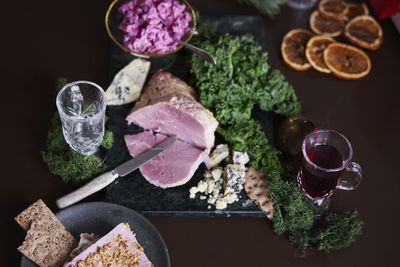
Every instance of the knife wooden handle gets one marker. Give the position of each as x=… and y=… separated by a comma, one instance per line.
x=93, y=186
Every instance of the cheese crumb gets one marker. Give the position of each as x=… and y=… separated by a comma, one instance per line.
x=221, y=204
x=202, y=186
x=240, y=157
x=217, y=173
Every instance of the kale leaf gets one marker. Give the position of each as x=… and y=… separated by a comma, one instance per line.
x=240, y=79
x=248, y=136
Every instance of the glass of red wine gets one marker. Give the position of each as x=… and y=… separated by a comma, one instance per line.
x=326, y=156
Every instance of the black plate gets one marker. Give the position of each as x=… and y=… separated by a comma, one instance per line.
x=101, y=217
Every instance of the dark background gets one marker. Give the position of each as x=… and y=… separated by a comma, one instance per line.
x=42, y=40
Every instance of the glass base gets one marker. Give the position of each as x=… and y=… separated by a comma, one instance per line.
x=101, y=154
x=321, y=205
x=301, y=4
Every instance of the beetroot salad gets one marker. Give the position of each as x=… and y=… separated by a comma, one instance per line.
x=144, y=25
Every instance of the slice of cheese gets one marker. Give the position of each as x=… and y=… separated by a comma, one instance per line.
x=127, y=84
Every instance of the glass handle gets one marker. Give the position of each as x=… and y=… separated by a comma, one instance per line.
x=351, y=184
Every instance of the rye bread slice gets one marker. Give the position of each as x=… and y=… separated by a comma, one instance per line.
x=47, y=242
x=255, y=186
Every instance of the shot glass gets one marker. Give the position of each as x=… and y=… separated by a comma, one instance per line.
x=82, y=106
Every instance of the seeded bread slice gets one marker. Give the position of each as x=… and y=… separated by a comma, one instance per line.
x=255, y=186
x=47, y=242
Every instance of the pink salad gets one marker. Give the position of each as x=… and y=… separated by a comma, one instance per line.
x=144, y=27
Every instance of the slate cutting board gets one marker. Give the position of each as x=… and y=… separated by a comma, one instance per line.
x=133, y=190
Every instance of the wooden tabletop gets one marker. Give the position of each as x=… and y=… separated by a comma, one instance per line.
x=42, y=40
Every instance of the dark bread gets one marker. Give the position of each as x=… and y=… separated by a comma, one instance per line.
x=47, y=242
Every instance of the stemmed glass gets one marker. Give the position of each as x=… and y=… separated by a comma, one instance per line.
x=326, y=158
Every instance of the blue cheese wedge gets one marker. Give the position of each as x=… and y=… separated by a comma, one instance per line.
x=127, y=84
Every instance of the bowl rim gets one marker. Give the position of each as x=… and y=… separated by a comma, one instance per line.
x=150, y=55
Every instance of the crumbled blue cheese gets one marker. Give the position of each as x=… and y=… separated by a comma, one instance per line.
x=219, y=154
x=216, y=173
x=221, y=186
x=127, y=84
x=202, y=186
x=221, y=204
x=240, y=157
x=231, y=197
x=234, y=177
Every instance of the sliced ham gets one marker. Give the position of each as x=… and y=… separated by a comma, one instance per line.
x=168, y=105
x=173, y=167
x=118, y=248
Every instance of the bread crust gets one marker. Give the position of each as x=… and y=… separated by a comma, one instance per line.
x=47, y=242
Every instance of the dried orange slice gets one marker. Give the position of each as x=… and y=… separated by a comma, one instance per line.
x=347, y=61
x=333, y=8
x=315, y=52
x=364, y=31
x=321, y=25
x=293, y=49
x=354, y=10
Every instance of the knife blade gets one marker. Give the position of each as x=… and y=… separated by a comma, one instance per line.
x=107, y=178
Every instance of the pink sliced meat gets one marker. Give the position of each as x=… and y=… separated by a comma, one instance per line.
x=173, y=167
x=169, y=106
x=117, y=248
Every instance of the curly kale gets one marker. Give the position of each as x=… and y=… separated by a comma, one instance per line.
x=241, y=79
x=64, y=161
x=248, y=136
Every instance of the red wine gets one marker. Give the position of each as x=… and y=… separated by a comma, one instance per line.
x=319, y=183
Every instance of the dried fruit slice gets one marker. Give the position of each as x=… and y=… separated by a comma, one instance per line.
x=315, y=52
x=333, y=8
x=365, y=32
x=347, y=61
x=321, y=25
x=293, y=49
x=354, y=10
